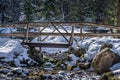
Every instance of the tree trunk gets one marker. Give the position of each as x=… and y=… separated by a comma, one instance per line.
x=66, y=10
x=118, y=15
x=2, y=19
x=62, y=10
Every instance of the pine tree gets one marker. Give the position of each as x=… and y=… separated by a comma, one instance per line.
x=100, y=7
x=50, y=10
x=28, y=10
x=2, y=8
x=11, y=10
x=118, y=13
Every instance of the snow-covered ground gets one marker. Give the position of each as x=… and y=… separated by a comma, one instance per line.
x=12, y=51
x=92, y=45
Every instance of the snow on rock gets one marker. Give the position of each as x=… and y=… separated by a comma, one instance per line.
x=20, y=70
x=92, y=45
x=12, y=51
x=73, y=57
x=73, y=61
x=49, y=65
x=116, y=72
x=3, y=40
x=115, y=67
x=102, y=28
x=86, y=42
x=4, y=70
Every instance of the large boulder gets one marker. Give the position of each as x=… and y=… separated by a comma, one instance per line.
x=104, y=60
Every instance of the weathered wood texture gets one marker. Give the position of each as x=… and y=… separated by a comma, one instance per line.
x=32, y=34
x=58, y=24
x=44, y=24
x=27, y=25
x=51, y=45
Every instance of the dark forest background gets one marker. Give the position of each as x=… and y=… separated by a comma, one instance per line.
x=98, y=11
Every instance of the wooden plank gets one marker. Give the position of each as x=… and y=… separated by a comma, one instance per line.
x=83, y=34
x=32, y=34
x=100, y=35
x=51, y=45
x=13, y=25
x=11, y=34
x=43, y=24
x=27, y=33
x=78, y=23
x=42, y=29
x=64, y=29
x=72, y=36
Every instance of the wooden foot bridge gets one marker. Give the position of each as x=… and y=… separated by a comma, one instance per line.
x=58, y=29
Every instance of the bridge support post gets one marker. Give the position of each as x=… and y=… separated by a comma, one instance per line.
x=39, y=39
x=71, y=37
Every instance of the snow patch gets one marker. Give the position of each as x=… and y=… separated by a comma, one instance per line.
x=115, y=67
x=93, y=45
x=12, y=51
x=74, y=60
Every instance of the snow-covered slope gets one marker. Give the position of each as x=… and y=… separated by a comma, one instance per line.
x=92, y=45
x=12, y=51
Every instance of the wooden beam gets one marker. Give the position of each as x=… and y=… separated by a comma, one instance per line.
x=48, y=35
x=13, y=25
x=100, y=35
x=72, y=36
x=64, y=29
x=60, y=33
x=55, y=45
x=32, y=34
x=42, y=29
x=43, y=24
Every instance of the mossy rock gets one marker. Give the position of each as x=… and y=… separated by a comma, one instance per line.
x=103, y=60
x=33, y=50
x=52, y=60
x=35, y=55
x=72, y=50
x=69, y=58
x=58, y=63
x=80, y=52
x=106, y=76
x=41, y=77
x=106, y=45
x=114, y=78
x=84, y=65
x=69, y=68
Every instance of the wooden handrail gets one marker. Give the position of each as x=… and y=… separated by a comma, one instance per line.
x=43, y=24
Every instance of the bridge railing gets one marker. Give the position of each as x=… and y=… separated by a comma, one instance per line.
x=81, y=25
x=58, y=29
